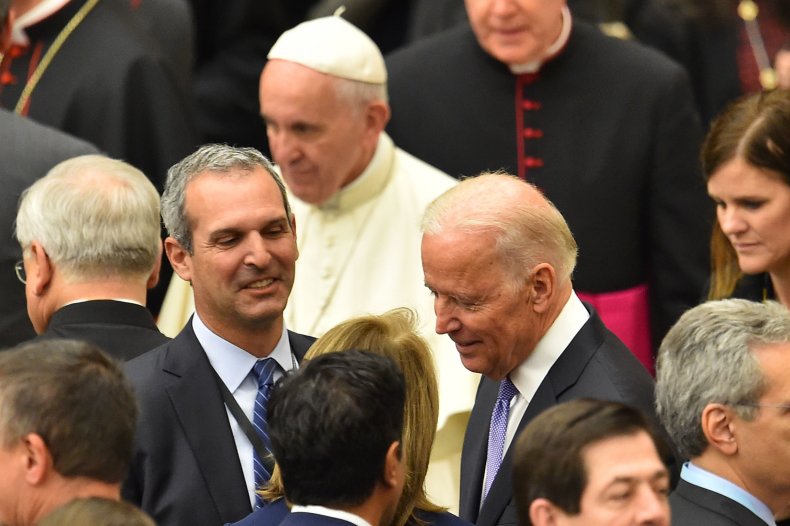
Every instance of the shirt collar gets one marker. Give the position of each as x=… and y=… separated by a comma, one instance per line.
x=42, y=10
x=703, y=478
x=552, y=51
x=528, y=376
x=328, y=512
x=371, y=181
x=233, y=363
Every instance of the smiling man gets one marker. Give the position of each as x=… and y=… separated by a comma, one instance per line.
x=590, y=463
x=498, y=258
x=232, y=237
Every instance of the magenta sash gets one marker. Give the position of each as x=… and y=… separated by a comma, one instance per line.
x=627, y=314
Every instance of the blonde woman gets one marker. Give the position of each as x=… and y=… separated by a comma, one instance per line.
x=392, y=334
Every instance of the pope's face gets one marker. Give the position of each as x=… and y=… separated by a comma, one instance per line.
x=317, y=137
x=516, y=31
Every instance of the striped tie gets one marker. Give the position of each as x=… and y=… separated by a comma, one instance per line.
x=263, y=371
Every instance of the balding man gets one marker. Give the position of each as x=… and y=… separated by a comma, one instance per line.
x=498, y=259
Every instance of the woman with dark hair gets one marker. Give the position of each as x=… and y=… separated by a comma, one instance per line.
x=746, y=161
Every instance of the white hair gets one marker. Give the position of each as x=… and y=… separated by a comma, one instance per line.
x=94, y=217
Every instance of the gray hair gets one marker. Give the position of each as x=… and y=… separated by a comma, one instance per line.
x=357, y=93
x=217, y=158
x=526, y=234
x=94, y=216
x=706, y=358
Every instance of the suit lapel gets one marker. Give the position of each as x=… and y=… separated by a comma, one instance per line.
x=717, y=504
x=473, y=456
x=197, y=403
x=563, y=375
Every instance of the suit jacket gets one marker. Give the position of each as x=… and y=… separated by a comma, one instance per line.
x=693, y=506
x=185, y=469
x=28, y=151
x=595, y=364
x=274, y=513
x=311, y=519
x=613, y=141
x=124, y=330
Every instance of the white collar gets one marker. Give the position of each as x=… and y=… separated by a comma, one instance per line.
x=528, y=376
x=556, y=47
x=42, y=10
x=233, y=363
x=329, y=512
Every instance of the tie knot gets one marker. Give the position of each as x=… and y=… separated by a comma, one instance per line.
x=263, y=370
x=506, y=390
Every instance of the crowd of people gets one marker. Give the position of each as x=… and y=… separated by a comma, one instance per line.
x=531, y=267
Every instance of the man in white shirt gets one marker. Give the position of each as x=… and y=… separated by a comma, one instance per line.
x=723, y=393
x=498, y=259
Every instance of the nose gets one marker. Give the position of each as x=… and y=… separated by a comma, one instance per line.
x=446, y=321
x=256, y=252
x=502, y=8
x=731, y=221
x=652, y=508
x=283, y=146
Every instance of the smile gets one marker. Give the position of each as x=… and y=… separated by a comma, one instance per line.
x=260, y=284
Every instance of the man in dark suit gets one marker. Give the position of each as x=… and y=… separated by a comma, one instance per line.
x=89, y=232
x=606, y=128
x=27, y=150
x=341, y=460
x=722, y=392
x=231, y=235
x=498, y=258
x=591, y=463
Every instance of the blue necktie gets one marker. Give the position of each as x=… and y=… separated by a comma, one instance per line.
x=498, y=430
x=263, y=371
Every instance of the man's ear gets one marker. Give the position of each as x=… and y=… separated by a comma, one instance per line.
x=180, y=259
x=41, y=270
x=377, y=115
x=718, y=427
x=39, y=459
x=393, y=466
x=543, y=285
x=543, y=513
x=153, y=278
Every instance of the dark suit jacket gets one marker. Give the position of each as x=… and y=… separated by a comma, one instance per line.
x=28, y=151
x=696, y=506
x=594, y=365
x=124, y=330
x=185, y=469
x=274, y=513
x=311, y=519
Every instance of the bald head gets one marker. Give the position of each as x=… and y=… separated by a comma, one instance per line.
x=528, y=229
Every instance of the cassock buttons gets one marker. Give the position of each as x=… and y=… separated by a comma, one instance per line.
x=533, y=162
x=533, y=133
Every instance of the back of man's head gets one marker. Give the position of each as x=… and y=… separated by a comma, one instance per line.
x=94, y=217
x=550, y=464
x=707, y=357
x=76, y=399
x=332, y=424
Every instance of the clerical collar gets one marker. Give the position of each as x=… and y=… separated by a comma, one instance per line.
x=554, y=49
x=43, y=10
x=371, y=181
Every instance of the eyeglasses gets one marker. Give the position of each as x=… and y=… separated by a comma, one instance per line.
x=19, y=268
